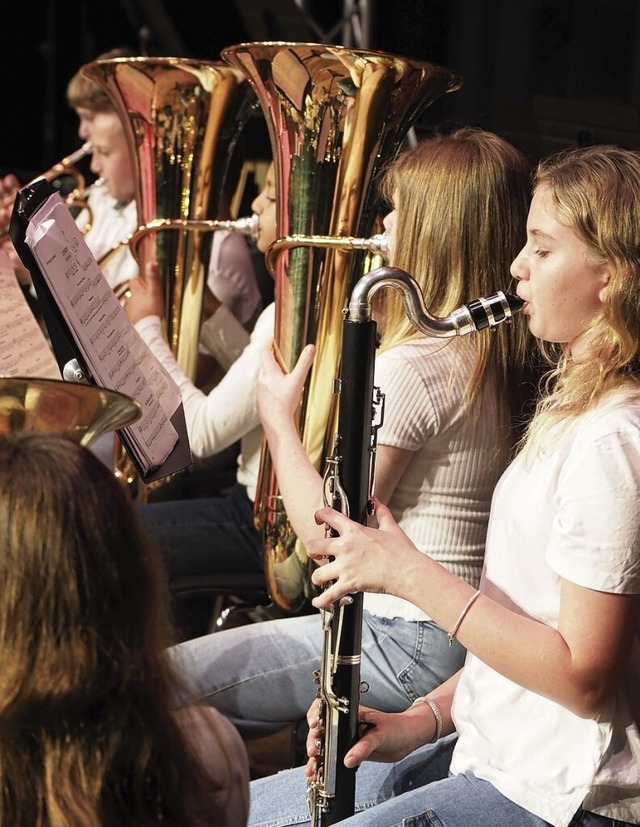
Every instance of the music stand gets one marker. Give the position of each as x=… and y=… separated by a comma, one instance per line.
x=70, y=361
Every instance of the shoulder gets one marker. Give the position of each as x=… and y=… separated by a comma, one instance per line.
x=427, y=355
x=616, y=417
x=220, y=748
x=428, y=364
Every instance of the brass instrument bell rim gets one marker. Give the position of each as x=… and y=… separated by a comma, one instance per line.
x=159, y=61
x=338, y=48
x=99, y=409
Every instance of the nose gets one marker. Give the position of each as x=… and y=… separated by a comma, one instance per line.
x=518, y=267
x=257, y=205
x=389, y=221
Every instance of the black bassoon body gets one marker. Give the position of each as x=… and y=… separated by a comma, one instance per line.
x=348, y=488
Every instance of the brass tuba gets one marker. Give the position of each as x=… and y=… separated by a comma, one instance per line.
x=336, y=116
x=182, y=118
x=81, y=412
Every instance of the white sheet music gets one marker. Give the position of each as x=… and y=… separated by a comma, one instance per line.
x=24, y=350
x=110, y=346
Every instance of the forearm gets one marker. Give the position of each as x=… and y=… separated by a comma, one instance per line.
x=299, y=482
x=432, y=712
x=522, y=649
x=216, y=420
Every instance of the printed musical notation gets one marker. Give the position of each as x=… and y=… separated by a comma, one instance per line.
x=24, y=349
x=110, y=347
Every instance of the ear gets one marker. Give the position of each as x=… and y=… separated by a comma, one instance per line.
x=605, y=276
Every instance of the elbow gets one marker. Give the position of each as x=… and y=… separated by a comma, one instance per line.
x=591, y=705
x=592, y=698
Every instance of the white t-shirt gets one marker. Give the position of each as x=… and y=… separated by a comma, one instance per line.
x=572, y=512
x=111, y=223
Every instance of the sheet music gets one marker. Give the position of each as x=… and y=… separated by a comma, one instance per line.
x=110, y=346
x=24, y=350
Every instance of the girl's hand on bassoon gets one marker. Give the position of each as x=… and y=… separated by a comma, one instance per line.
x=387, y=736
x=314, y=735
x=361, y=559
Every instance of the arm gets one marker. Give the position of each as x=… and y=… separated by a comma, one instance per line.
x=299, y=481
x=231, y=277
x=390, y=736
x=218, y=419
x=576, y=665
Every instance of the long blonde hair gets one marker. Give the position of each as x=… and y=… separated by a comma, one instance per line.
x=462, y=200
x=87, y=735
x=596, y=191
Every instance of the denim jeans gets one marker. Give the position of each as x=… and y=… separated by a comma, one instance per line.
x=206, y=535
x=261, y=676
x=415, y=792
x=201, y=537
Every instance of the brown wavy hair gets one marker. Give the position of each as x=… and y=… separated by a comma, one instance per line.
x=87, y=736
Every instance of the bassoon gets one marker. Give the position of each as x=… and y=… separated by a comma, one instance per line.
x=348, y=487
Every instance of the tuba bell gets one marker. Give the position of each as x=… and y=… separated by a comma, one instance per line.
x=336, y=116
x=80, y=412
x=182, y=118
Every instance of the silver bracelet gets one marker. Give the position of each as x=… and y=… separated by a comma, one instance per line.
x=433, y=706
x=451, y=636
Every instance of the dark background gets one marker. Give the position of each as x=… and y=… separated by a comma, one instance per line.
x=544, y=73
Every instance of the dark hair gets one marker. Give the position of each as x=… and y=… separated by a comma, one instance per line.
x=87, y=733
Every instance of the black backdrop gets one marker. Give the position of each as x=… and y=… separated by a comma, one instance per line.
x=545, y=73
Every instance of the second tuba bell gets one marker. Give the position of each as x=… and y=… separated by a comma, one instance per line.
x=336, y=116
x=182, y=119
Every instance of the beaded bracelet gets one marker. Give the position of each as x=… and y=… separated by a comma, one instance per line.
x=451, y=636
x=433, y=706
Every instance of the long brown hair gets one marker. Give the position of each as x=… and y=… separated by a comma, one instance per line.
x=87, y=736
x=462, y=200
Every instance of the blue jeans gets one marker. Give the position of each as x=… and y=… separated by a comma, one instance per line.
x=261, y=676
x=203, y=536
x=397, y=795
x=207, y=535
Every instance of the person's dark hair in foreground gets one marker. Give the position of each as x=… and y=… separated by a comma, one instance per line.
x=87, y=735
